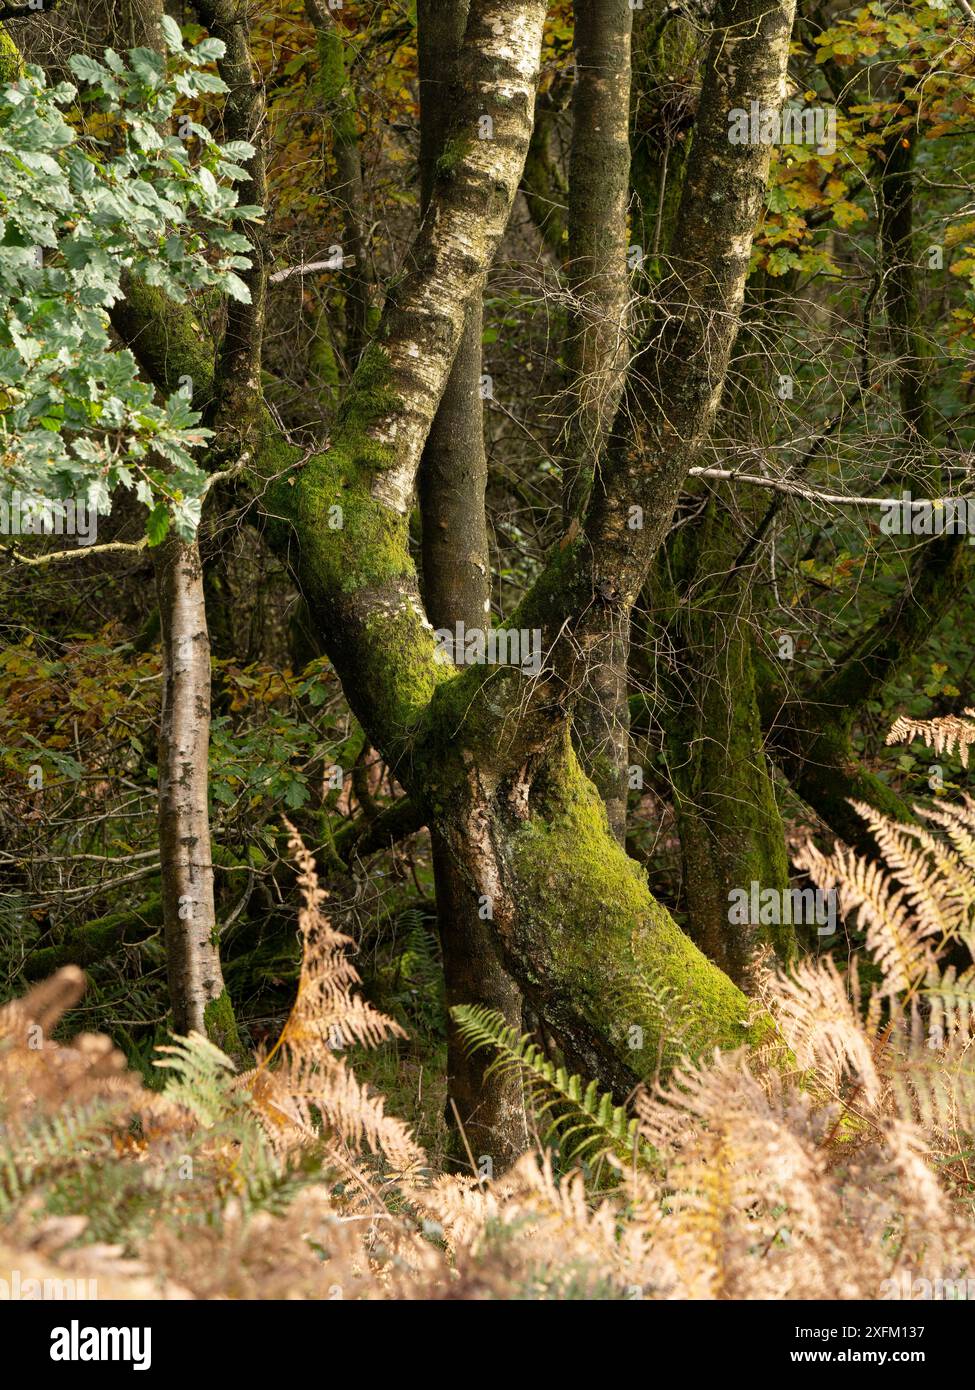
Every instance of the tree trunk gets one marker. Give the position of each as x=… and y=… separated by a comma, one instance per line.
x=599, y=183
x=728, y=820
x=235, y=412
x=599, y=169
x=456, y=588
x=730, y=829
x=483, y=750
x=198, y=996
x=904, y=319
x=339, y=106
x=199, y=999
x=140, y=25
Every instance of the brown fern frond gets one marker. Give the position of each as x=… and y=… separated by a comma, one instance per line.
x=896, y=937
x=816, y=1011
x=933, y=1082
x=954, y=860
x=944, y=734
x=312, y=1078
x=939, y=888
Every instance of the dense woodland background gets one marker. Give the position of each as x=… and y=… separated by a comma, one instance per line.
x=503, y=330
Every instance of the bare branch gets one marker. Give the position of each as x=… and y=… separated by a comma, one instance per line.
x=791, y=489
x=84, y=552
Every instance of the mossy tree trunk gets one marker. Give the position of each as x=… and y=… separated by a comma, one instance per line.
x=339, y=110
x=728, y=821
x=485, y=749
x=456, y=571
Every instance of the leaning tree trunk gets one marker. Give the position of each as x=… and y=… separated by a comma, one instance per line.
x=456, y=588
x=484, y=749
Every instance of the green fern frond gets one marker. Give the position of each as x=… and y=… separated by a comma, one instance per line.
x=583, y=1119
x=202, y=1077
x=53, y=1143
x=419, y=958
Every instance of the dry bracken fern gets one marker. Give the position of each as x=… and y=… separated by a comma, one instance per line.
x=311, y=1076
x=944, y=735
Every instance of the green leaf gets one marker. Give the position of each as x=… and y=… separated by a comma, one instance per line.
x=209, y=48
x=236, y=288
x=86, y=69
x=157, y=524
x=172, y=34
x=295, y=795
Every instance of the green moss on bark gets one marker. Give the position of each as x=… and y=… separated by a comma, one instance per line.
x=221, y=1026
x=412, y=678
x=94, y=942
x=832, y=775
x=167, y=339
x=355, y=541
x=614, y=954
x=454, y=151
x=729, y=824
x=11, y=63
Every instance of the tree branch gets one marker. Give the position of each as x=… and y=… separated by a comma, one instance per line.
x=83, y=552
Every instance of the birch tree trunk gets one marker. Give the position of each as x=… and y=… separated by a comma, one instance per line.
x=199, y=999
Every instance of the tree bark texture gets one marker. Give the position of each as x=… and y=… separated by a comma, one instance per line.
x=457, y=588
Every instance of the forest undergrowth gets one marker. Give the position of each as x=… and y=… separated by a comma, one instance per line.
x=836, y=1161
